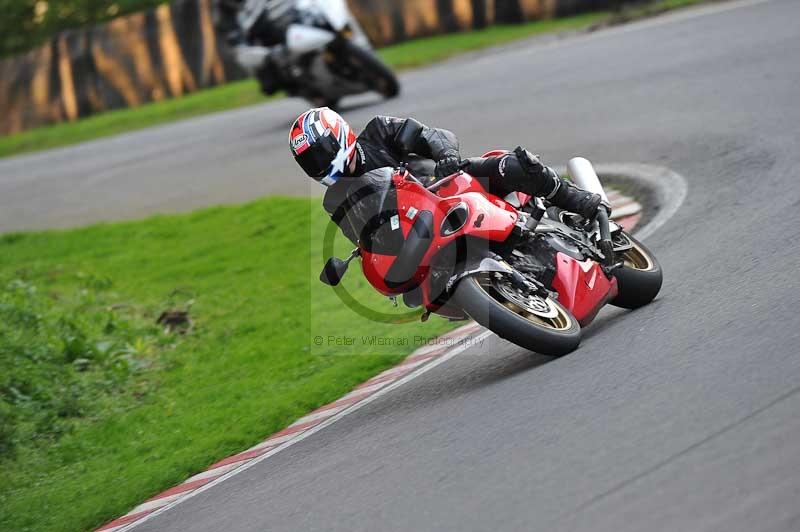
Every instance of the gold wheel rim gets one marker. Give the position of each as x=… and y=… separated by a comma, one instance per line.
x=637, y=258
x=560, y=320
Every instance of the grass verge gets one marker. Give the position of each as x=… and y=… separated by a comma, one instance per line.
x=241, y=93
x=101, y=408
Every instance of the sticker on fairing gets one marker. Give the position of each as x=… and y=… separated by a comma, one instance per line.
x=411, y=213
x=395, y=221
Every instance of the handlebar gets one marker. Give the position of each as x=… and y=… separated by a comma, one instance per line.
x=442, y=182
x=434, y=186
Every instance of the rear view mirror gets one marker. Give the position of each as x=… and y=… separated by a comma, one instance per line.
x=334, y=271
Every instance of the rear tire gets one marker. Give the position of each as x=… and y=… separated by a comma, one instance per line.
x=640, y=277
x=552, y=330
x=375, y=73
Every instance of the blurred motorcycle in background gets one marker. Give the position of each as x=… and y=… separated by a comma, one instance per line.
x=326, y=55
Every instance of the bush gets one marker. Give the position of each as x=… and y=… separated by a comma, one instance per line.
x=28, y=23
x=60, y=356
x=7, y=429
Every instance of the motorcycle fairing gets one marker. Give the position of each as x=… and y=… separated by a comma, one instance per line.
x=488, y=218
x=406, y=268
x=302, y=39
x=582, y=287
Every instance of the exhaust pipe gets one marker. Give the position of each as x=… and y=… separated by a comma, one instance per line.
x=583, y=175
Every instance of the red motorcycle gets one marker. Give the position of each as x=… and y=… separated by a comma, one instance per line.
x=533, y=275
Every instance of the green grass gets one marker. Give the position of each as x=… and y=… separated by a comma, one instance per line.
x=237, y=94
x=247, y=368
x=421, y=52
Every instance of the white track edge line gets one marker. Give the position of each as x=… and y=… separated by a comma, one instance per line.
x=670, y=189
x=629, y=209
x=313, y=430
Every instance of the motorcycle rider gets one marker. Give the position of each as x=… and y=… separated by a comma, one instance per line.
x=358, y=170
x=256, y=30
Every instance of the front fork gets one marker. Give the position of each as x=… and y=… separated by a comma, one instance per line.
x=605, y=244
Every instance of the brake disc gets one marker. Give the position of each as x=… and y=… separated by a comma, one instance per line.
x=526, y=301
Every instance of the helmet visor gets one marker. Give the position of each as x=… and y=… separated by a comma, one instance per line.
x=317, y=158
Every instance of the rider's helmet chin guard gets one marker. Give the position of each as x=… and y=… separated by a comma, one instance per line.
x=323, y=144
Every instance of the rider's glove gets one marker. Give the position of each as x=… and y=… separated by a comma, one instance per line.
x=449, y=164
x=531, y=164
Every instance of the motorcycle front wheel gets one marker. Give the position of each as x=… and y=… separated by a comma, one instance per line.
x=640, y=277
x=538, y=324
x=372, y=70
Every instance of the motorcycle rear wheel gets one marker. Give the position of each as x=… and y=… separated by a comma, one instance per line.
x=640, y=277
x=537, y=324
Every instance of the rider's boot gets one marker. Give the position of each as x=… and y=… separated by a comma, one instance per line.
x=270, y=74
x=567, y=196
x=558, y=191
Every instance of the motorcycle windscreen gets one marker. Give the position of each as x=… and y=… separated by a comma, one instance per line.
x=374, y=215
x=336, y=13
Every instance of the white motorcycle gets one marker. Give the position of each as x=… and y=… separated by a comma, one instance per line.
x=327, y=55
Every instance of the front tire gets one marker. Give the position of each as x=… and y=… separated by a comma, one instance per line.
x=640, y=277
x=325, y=101
x=374, y=72
x=531, y=322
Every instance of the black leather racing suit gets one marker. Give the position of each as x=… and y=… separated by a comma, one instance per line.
x=239, y=22
x=256, y=32
x=362, y=204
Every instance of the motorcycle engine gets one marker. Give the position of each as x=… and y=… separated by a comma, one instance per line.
x=535, y=258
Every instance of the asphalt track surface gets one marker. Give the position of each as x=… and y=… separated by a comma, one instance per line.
x=678, y=416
